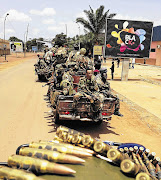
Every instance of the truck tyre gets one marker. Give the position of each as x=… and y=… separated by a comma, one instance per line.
x=57, y=118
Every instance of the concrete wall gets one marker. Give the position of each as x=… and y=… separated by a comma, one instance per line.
x=2, y=52
x=148, y=61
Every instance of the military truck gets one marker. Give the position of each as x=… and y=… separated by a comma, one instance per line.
x=42, y=70
x=85, y=111
x=64, y=110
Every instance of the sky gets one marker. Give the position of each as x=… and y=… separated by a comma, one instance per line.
x=46, y=18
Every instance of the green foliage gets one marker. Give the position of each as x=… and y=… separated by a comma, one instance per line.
x=96, y=20
x=60, y=39
x=15, y=39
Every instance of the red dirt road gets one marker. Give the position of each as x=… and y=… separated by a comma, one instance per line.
x=24, y=116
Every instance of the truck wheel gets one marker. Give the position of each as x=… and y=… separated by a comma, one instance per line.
x=56, y=118
x=98, y=122
x=39, y=77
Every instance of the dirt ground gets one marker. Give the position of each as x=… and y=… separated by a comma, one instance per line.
x=25, y=116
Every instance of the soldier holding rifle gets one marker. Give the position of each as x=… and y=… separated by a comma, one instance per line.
x=88, y=88
x=105, y=89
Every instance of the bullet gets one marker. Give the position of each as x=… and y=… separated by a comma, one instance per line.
x=158, y=170
x=155, y=161
x=59, y=148
x=76, y=139
x=101, y=147
x=135, y=149
x=144, y=168
x=52, y=156
x=121, y=150
x=66, y=129
x=141, y=150
x=149, y=166
x=88, y=141
x=126, y=149
x=116, y=156
x=38, y=165
x=135, y=159
x=16, y=174
x=143, y=176
x=151, y=156
x=130, y=151
x=147, y=151
x=69, y=146
x=129, y=167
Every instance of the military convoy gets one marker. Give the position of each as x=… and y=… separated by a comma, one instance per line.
x=63, y=73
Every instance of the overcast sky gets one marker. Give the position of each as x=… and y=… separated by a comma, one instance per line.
x=46, y=18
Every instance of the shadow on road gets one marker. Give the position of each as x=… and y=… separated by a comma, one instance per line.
x=90, y=128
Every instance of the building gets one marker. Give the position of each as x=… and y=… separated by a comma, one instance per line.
x=155, y=53
x=2, y=51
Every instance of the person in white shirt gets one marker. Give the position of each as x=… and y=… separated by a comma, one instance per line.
x=133, y=62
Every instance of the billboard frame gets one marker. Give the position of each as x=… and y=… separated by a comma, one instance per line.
x=127, y=57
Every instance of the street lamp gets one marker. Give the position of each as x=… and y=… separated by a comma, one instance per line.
x=4, y=35
x=79, y=35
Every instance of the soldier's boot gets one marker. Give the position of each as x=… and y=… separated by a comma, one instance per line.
x=117, y=113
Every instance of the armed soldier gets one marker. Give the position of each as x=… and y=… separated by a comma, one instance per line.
x=72, y=54
x=88, y=88
x=61, y=85
x=82, y=61
x=105, y=89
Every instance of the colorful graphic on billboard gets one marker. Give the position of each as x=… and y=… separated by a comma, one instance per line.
x=126, y=38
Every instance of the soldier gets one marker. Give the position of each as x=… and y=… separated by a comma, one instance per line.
x=88, y=87
x=83, y=61
x=60, y=86
x=105, y=89
x=72, y=54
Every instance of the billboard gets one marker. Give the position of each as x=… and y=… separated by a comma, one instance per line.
x=34, y=48
x=16, y=46
x=127, y=38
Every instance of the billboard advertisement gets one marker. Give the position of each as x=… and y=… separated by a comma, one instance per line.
x=127, y=38
x=34, y=48
x=16, y=46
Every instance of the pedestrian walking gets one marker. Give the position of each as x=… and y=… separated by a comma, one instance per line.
x=133, y=62
x=112, y=70
x=118, y=62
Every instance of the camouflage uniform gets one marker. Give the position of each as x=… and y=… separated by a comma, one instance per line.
x=64, y=87
x=88, y=88
x=105, y=90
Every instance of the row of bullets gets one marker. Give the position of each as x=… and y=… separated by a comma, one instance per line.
x=43, y=157
x=135, y=161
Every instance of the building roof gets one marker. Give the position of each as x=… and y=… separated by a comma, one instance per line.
x=156, y=33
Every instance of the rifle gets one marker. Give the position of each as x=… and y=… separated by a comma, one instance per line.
x=47, y=83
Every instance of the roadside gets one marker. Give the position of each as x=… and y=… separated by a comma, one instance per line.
x=15, y=59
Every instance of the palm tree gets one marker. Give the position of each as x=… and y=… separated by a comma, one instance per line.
x=95, y=22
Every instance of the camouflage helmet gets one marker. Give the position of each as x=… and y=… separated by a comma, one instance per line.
x=82, y=51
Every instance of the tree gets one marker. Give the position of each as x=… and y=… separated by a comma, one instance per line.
x=60, y=39
x=15, y=39
x=96, y=20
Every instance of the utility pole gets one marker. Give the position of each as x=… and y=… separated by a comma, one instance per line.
x=5, y=46
x=66, y=33
x=79, y=35
x=25, y=40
